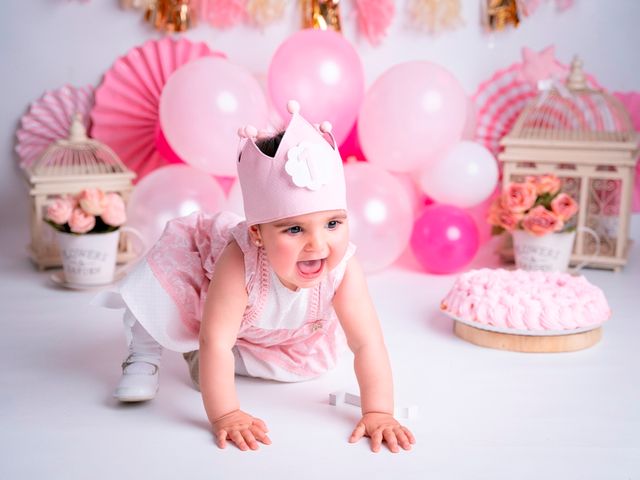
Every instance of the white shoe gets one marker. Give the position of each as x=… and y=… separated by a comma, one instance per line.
x=138, y=383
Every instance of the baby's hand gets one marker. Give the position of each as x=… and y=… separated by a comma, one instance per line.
x=242, y=429
x=382, y=426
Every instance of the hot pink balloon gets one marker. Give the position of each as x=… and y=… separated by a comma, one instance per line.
x=444, y=238
x=170, y=192
x=351, y=145
x=321, y=70
x=380, y=214
x=201, y=108
x=410, y=114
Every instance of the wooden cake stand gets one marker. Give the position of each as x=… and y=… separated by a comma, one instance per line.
x=527, y=343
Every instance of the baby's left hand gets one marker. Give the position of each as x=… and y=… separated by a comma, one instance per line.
x=382, y=426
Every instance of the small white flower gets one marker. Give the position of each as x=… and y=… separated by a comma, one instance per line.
x=308, y=166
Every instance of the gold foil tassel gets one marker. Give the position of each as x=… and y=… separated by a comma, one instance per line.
x=321, y=14
x=501, y=13
x=170, y=15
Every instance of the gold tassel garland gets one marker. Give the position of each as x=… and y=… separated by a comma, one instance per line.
x=321, y=14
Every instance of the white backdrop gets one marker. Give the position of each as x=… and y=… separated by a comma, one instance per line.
x=45, y=44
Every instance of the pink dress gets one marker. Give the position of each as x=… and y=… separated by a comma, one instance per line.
x=284, y=335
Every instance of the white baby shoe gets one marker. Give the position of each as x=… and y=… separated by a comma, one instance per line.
x=138, y=383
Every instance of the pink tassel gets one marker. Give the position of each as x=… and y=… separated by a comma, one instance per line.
x=374, y=18
x=223, y=13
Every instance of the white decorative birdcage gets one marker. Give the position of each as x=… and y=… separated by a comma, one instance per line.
x=67, y=167
x=586, y=138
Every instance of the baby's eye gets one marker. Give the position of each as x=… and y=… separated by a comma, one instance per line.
x=295, y=229
x=333, y=224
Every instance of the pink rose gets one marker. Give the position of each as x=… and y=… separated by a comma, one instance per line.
x=114, y=212
x=540, y=221
x=546, y=184
x=501, y=217
x=92, y=200
x=519, y=197
x=564, y=206
x=80, y=221
x=60, y=210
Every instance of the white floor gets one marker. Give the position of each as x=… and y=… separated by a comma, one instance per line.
x=483, y=413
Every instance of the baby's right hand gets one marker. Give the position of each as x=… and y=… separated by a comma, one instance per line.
x=242, y=429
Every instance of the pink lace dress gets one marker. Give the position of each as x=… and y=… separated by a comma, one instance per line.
x=284, y=335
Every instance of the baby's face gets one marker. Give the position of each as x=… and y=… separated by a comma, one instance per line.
x=303, y=249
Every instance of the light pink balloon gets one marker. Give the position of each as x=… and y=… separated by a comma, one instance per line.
x=471, y=121
x=235, y=202
x=444, y=238
x=321, y=70
x=412, y=112
x=170, y=192
x=202, y=106
x=380, y=214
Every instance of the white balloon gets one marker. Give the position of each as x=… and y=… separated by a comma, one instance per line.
x=465, y=176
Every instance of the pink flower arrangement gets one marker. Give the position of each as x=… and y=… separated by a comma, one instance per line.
x=90, y=211
x=535, y=205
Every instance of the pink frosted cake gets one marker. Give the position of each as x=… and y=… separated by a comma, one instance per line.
x=534, y=302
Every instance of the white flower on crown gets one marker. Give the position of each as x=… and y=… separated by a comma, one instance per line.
x=308, y=166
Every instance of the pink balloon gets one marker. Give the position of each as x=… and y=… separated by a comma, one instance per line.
x=202, y=106
x=235, y=202
x=471, y=121
x=380, y=214
x=170, y=192
x=411, y=113
x=351, y=146
x=321, y=70
x=444, y=238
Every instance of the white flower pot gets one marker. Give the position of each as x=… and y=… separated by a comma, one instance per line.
x=550, y=252
x=89, y=259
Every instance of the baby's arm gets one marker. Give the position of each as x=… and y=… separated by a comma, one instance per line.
x=223, y=310
x=359, y=320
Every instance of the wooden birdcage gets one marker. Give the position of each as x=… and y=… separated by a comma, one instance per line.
x=67, y=167
x=586, y=138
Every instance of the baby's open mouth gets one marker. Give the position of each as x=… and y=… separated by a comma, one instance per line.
x=311, y=267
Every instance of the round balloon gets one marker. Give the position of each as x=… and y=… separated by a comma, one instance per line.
x=202, y=106
x=323, y=72
x=465, y=176
x=170, y=192
x=444, y=238
x=380, y=214
x=412, y=112
x=471, y=121
x=350, y=148
x=235, y=202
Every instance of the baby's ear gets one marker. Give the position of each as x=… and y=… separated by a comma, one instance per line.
x=255, y=235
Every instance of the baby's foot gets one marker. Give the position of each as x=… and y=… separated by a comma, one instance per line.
x=138, y=383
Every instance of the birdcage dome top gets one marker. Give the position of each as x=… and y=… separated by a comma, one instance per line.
x=573, y=112
x=78, y=155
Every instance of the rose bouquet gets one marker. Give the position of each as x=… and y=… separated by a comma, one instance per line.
x=90, y=211
x=536, y=206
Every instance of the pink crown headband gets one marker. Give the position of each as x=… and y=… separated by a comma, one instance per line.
x=304, y=176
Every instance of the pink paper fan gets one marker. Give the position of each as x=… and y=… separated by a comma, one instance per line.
x=49, y=119
x=631, y=101
x=125, y=115
x=499, y=100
